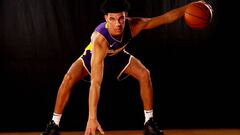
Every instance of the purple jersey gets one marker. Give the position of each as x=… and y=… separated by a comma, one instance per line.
x=115, y=45
x=117, y=59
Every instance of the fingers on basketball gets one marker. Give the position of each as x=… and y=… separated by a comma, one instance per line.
x=198, y=15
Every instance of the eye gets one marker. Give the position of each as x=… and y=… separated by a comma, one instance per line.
x=121, y=19
x=111, y=19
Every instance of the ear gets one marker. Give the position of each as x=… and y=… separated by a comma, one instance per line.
x=105, y=16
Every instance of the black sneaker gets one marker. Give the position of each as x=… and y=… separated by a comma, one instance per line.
x=52, y=129
x=151, y=128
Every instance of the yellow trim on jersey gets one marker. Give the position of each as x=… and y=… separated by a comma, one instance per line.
x=89, y=47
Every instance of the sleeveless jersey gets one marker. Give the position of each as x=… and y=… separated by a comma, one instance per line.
x=115, y=46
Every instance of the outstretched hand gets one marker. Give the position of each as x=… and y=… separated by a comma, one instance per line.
x=206, y=3
x=92, y=126
x=196, y=1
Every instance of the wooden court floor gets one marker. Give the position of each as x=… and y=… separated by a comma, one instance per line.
x=139, y=132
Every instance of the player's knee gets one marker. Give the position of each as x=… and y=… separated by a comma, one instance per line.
x=145, y=75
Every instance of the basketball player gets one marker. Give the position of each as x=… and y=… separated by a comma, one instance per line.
x=106, y=53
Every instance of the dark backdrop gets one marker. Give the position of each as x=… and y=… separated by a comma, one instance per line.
x=193, y=71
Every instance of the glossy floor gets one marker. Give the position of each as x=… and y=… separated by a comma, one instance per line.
x=139, y=132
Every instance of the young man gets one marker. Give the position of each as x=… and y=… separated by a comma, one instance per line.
x=106, y=53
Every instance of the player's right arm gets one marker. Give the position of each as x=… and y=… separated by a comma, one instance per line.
x=99, y=52
x=137, y=24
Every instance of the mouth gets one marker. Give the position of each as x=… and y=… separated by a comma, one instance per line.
x=118, y=30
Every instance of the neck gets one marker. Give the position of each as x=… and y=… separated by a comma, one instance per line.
x=117, y=37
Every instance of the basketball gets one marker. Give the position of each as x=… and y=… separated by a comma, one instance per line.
x=198, y=15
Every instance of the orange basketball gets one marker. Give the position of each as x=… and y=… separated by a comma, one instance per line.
x=198, y=15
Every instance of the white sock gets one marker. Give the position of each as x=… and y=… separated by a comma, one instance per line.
x=56, y=118
x=148, y=114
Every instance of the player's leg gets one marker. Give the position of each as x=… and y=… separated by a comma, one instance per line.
x=137, y=70
x=142, y=74
x=75, y=73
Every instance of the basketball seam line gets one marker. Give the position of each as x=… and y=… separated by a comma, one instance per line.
x=198, y=17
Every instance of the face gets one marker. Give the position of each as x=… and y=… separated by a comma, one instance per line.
x=116, y=23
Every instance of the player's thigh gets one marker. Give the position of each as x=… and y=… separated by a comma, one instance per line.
x=77, y=71
x=136, y=68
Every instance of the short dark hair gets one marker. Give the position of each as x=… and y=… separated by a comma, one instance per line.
x=115, y=6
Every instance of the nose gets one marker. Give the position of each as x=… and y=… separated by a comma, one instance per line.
x=118, y=23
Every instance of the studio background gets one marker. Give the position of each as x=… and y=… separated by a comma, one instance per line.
x=193, y=71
